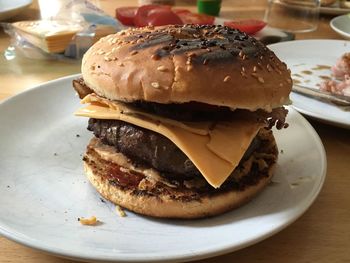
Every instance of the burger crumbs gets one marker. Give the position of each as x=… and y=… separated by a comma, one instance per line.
x=120, y=211
x=92, y=221
x=102, y=200
x=282, y=151
x=77, y=135
x=55, y=154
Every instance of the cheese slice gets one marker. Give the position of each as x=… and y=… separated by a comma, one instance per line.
x=195, y=127
x=238, y=134
x=216, y=152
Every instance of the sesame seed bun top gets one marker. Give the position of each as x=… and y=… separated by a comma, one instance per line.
x=176, y=64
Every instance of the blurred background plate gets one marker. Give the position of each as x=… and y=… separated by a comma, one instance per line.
x=10, y=8
x=341, y=25
x=334, y=9
x=310, y=62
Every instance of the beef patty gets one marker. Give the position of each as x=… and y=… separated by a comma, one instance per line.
x=149, y=148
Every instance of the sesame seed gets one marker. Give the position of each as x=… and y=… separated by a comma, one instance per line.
x=269, y=69
x=254, y=69
x=155, y=57
x=261, y=80
x=108, y=53
x=121, y=64
x=114, y=40
x=205, y=62
x=189, y=67
x=289, y=81
x=107, y=59
x=100, y=52
x=227, y=78
x=155, y=85
x=161, y=68
x=133, y=52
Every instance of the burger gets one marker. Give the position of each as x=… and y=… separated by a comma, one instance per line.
x=182, y=118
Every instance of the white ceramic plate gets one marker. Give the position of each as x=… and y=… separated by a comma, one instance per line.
x=43, y=190
x=341, y=25
x=310, y=61
x=10, y=8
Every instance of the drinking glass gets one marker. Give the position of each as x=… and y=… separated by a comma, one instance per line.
x=295, y=16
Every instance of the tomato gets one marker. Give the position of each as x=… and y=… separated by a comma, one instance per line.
x=160, y=17
x=142, y=13
x=180, y=10
x=199, y=19
x=126, y=15
x=249, y=26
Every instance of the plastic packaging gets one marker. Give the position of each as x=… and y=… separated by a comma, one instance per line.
x=41, y=39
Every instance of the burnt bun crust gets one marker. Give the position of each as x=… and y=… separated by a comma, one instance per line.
x=152, y=195
x=177, y=64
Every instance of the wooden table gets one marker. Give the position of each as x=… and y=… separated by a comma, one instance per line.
x=322, y=234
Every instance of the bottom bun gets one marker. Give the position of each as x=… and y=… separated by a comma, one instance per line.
x=151, y=194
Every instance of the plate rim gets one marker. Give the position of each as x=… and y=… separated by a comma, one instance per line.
x=336, y=29
x=128, y=257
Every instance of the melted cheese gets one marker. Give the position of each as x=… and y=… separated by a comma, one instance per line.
x=214, y=151
x=195, y=127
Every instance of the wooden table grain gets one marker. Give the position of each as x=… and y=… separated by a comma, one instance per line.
x=321, y=235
